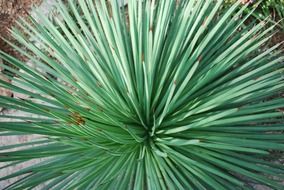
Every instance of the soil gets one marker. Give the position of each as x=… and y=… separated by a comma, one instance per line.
x=10, y=11
x=277, y=38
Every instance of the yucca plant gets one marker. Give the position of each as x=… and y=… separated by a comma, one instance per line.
x=171, y=96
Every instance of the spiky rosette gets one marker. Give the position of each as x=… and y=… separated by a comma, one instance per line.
x=168, y=96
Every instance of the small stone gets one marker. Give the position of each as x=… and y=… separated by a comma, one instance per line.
x=261, y=187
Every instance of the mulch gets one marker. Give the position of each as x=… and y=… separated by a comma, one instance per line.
x=10, y=11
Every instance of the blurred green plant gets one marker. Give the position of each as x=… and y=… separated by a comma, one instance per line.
x=274, y=9
x=177, y=98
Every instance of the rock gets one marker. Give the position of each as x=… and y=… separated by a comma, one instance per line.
x=261, y=187
x=3, y=91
